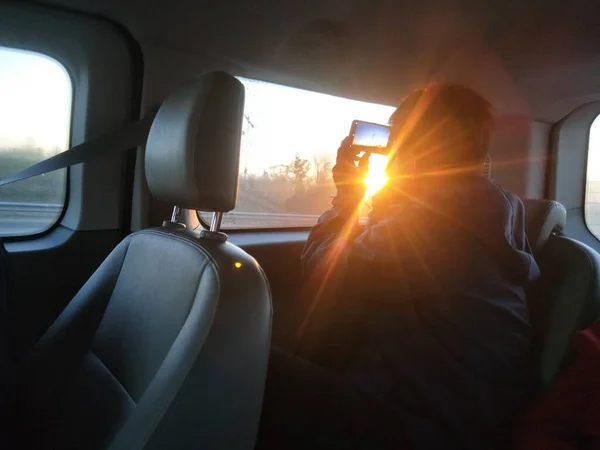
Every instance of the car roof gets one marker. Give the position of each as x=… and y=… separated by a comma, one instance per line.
x=537, y=59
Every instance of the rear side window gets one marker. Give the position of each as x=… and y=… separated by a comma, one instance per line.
x=35, y=122
x=592, y=191
x=289, y=142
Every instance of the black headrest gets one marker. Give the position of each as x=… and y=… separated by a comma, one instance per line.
x=193, y=149
x=542, y=217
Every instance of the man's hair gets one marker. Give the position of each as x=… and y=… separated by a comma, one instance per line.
x=442, y=126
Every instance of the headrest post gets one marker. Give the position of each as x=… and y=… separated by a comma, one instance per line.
x=176, y=214
x=174, y=222
x=215, y=223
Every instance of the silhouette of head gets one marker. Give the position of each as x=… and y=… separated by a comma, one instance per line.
x=440, y=129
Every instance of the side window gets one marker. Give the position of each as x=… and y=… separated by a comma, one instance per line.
x=35, y=122
x=289, y=142
x=592, y=189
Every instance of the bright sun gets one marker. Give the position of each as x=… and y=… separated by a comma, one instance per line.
x=376, y=177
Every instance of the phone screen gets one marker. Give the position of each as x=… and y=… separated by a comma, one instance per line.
x=370, y=136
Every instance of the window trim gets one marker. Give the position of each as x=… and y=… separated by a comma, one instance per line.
x=263, y=229
x=106, y=65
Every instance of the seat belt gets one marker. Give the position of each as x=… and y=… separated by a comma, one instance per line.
x=129, y=136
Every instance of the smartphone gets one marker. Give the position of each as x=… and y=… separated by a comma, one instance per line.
x=370, y=137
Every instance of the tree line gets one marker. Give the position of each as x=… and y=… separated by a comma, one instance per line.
x=301, y=186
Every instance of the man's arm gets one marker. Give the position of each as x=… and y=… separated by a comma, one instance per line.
x=329, y=240
x=346, y=275
x=335, y=228
x=335, y=287
x=341, y=251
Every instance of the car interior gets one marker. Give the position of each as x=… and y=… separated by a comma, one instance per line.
x=163, y=268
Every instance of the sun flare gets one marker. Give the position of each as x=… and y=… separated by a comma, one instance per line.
x=376, y=178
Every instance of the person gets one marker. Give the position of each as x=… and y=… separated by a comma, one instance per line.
x=416, y=334
x=424, y=308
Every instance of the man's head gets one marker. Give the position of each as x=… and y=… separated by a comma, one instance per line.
x=440, y=128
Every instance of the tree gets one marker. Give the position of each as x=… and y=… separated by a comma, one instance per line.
x=322, y=166
x=297, y=187
x=296, y=172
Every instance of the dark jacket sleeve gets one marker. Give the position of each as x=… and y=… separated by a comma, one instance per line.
x=346, y=268
x=332, y=256
x=335, y=250
x=346, y=261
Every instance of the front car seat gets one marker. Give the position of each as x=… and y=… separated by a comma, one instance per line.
x=566, y=298
x=166, y=345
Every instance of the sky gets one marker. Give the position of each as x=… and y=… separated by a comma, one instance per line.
x=35, y=101
x=282, y=122
x=594, y=152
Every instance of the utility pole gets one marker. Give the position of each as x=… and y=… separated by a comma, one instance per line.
x=248, y=122
x=247, y=146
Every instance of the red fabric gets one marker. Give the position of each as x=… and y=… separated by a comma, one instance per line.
x=569, y=416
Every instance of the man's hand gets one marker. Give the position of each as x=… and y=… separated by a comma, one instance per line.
x=349, y=177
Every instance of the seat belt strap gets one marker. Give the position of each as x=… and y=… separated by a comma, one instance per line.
x=129, y=136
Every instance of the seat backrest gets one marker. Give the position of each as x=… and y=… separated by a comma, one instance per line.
x=166, y=346
x=566, y=298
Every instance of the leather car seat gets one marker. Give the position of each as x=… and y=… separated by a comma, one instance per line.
x=566, y=298
x=166, y=345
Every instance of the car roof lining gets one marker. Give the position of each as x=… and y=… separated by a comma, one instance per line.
x=535, y=59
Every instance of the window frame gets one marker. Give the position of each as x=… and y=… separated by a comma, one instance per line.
x=567, y=182
x=585, y=186
x=67, y=183
x=206, y=225
x=106, y=67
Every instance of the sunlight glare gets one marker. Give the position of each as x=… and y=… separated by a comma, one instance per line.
x=376, y=178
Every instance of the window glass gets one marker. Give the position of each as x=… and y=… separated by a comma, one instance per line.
x=592, y=192
x=35, y=121
x=289, y=141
